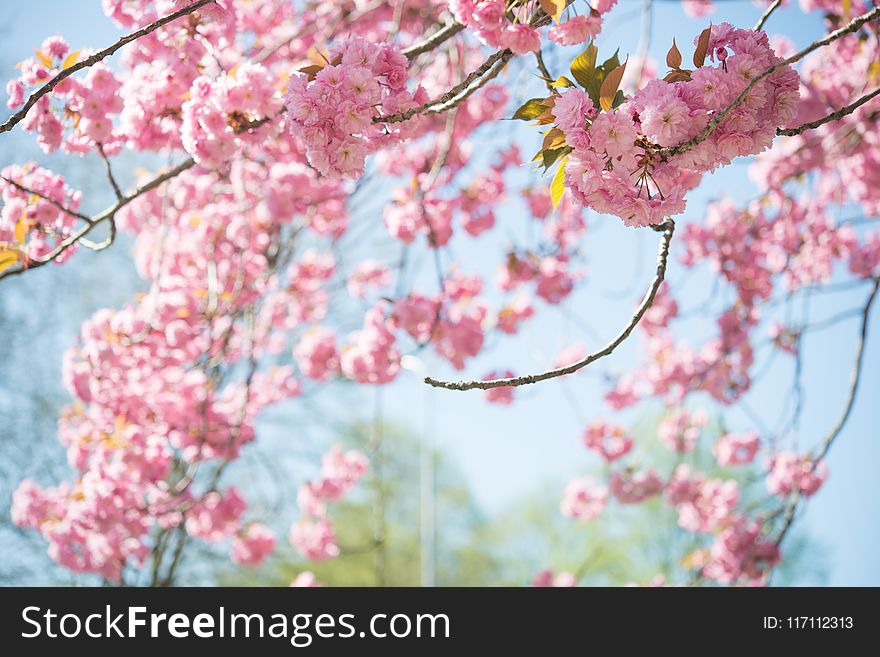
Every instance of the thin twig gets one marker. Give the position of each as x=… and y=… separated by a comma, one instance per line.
x=60, y=206
x=476, y=86
x=441, y=35
x=834, y=116
x=767, y=15
x=826, y=444
x=94, y=59
x=668, y=227
x=849, y=28
x=545, y=73
x=107, y=215
x=462, y=86
x=109, y=170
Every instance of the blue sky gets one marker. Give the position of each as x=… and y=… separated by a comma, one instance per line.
x=505, y=451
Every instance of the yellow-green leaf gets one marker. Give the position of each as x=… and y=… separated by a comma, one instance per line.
x=609, y=87
x=9, y=256
x=557, y=186
x=554, y=8
x=673, y=57
x=550, y=156
x=70, y=60
x=530, y=110
x=702, y=47
x=583, y=67
x=21, y=230
x=45, y=60
x=562, y=81
x=553, y=139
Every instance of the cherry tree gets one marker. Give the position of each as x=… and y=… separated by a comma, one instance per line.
x=277, y=119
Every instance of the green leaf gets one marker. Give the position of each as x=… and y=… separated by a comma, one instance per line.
x=611, y=63
x=557, y=186
x=583, y=68
x=530, y=110
x=562, y=81
x=550, y=156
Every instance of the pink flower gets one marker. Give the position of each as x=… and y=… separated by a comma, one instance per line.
x=252, y=547
x=572, y=109
x=215, y=516
x=576, y=29
x=612, y=442
x=736, y=449
x=306, y=579
x=513, y=314
x=520, y=39
x=790, y=472
x=634, y=487
x=741, y=554
x=613, y=133
x=583, y=499
x=547, y=578
x=316, y=354
x=314, y=539
x=711, y=507
x=680, y=430
x=502, y=395
x=368, y=274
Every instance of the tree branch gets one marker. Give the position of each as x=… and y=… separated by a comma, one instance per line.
x=849, y=28
x=545, y=72
x=63, y=208
x=109, y=171
x=107, y=215
x=94, y=59
x=482, y=69
x=446, y=32
x=766, y=15
x=826, y=444
x=668, y=227
x=476, y=86
x=834, y=116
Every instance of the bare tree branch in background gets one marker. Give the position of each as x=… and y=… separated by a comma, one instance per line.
x=668, y=228
x=94, y=59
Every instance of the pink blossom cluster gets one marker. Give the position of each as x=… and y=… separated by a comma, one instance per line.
x=830, y=80
x=453, y=322
x=736, y=449
x=333, y=113
x=80, y=111
x=253, y=544
x=635, y=486
x=789, y=472
x=610, y=441
x=615, y=166
x=34, y=223
x=415, y=211
x=313, y=535
x=216, y=118
x=502, y=395
x=703, y=505
x=584, y=499
x=547, y=578
x=741, y=553
x=489, y=21
x=680, y=430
